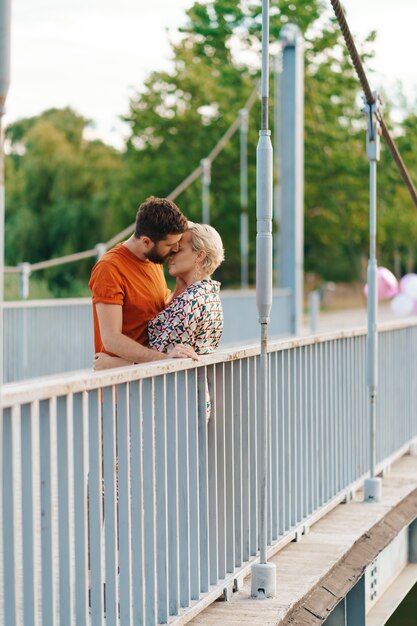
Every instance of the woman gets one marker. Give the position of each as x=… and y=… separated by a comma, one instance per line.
x=194, y=316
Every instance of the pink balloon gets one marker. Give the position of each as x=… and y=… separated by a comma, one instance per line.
x=408, y=285
x=387, y=284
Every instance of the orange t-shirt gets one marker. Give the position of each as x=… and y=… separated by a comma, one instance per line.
x=119, y=277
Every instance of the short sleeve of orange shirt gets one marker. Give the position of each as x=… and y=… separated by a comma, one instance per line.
x=139, y=287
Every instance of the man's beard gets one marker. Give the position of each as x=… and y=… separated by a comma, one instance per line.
x=154, y=256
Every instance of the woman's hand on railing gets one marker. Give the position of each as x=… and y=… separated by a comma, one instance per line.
x=182, y=351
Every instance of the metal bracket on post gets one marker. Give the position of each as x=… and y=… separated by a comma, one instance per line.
x=101, y=249
x=373, y=486
x=24, y=275
x=206, y=180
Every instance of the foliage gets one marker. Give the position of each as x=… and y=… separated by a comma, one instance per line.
x=65, y=194
x=59, y=191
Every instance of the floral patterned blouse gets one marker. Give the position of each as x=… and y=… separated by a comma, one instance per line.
x=195, y=317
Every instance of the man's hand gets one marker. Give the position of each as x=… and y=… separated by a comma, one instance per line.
x=182, y=351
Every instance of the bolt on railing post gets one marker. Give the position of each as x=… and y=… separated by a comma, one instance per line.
x=263, y=583
x=244, y=230
x=206, y=181
x=372, y=488
x=24, y=276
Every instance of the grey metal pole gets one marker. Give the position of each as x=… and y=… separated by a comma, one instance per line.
x=277, y=136
x=372, y=488
x=24, y=276
x=5, y=18
x=263, y=583
x=291, y=240
x=206, y=181
x=244, y=228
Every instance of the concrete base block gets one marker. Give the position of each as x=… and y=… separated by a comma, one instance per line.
x=263, y=583
x=372, y=490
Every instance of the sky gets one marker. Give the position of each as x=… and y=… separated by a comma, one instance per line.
x=92, y=54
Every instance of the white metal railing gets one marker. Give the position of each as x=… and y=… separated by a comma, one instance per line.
x=43, y=337
x=163, y=531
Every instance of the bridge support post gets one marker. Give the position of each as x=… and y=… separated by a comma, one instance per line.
x=291, y=229
x=244, y=229
x=372, y=488
x=355, y=604
x=412, y=542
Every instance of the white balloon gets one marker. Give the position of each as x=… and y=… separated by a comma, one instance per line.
x=402, y=305
x=410, y=287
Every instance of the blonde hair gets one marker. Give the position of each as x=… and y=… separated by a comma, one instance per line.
x=206, y=238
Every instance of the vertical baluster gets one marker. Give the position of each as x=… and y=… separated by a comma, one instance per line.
x=282, y=502
x=80, y=439
x=348, y=413
x=230, y=469
x=203, y=472
x=161, y=496
x=110, y=503
x=269, y=455
x=136, y=452
x=221, y=470
x=245, y=393
x=298, y=415
x=95, y=517
x=293, y=439
x=274, y=445
x=253, y=461
x=9, y=514
x=326, y=450
x=286, y=377
x=310, y=417
x=183, y=490
x=193, y=478
x=148, y=401
x=28, y=454
x=305, y=428
x=124, y=528
x=332, y=420
x=65, y=472
x=212, y=474
x=236, y=391
x=47, y=471
x=172, y=464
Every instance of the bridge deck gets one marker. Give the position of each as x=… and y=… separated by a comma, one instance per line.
x=302, y=566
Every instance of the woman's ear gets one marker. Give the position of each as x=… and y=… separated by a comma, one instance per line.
x=201, y=255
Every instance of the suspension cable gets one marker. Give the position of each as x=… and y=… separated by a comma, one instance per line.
x=197, y=172
x=357, y=63
x=174, y=194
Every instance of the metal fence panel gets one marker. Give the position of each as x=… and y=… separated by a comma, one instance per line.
x=129, y=494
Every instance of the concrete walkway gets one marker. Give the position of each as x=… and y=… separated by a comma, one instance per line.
x=303, y=566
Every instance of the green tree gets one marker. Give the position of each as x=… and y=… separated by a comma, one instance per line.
x=178, y=116
x=60, y=191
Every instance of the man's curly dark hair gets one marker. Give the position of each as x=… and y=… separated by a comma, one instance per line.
x=159, y=217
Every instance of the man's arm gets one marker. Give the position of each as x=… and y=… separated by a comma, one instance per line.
x=110, y=322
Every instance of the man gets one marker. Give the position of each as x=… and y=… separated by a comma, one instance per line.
x=128, y=286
